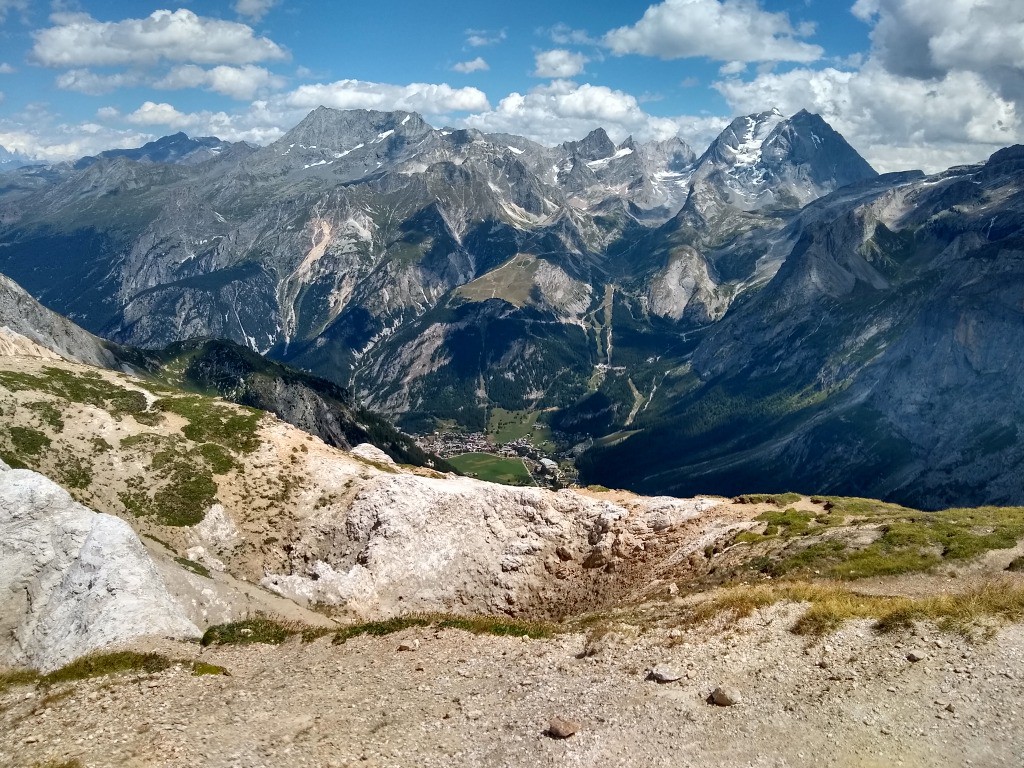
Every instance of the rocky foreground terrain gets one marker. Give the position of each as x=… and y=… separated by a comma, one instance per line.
x=187, y=581
x=427, y=697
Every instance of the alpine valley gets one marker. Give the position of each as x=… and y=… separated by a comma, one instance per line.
x=769, y=315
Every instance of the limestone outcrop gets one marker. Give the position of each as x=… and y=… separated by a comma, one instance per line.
x=72, y=580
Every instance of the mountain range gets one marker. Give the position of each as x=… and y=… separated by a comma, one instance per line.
x=770, y=314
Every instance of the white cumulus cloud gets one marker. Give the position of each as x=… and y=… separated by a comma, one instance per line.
x=478, y=38
x=473, y=65
x=92, y=83
x=254, y=9
x=152, y=113
x=241, y=83
x=564, y=110
x=928, y=40
x=723, y=30
x=78, y=40
x=559, y=63
x=429, y=98
x=896, y=122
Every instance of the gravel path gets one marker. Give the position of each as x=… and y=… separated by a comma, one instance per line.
x=853, y=699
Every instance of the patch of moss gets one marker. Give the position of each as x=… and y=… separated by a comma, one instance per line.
x=212, y=422
x=256, y=630
x=220, y=460
x=787, y=524
x=161, y=542
x=48, y=413
x=830, y=605
x=75, y=472
x=13, y=461
x=478, y=625
x=778, y=499
x=101, y=664
x=200, y=668
x=905, y=540
x=84, y=387
x=149, y=418
x=14, y=677
x=28, y=441
x=185, y=498
x=192, y=565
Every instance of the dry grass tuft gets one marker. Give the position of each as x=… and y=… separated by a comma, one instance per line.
x=831, y=604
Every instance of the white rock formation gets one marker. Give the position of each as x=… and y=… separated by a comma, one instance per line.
x=72, y=580
x=371, y=452
x=418, y=543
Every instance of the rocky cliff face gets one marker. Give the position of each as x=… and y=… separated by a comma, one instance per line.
x=440, y=274
x=241, y=497
x=72, y=580
x=23, y=315
x=876, y=360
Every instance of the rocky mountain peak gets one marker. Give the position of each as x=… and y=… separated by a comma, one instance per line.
x=10, y=160
x=340, y=130
x=595, y=146
x=806, y=140
x=176, y=148
x=673, y=155
x=766, y=159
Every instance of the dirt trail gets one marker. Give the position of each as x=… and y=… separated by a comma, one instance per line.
x=851, y=700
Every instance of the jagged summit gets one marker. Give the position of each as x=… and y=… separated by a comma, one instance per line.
x=766, y=159
x=595, y=146
x=176, y=149
x=10, y=160
x=340, y=130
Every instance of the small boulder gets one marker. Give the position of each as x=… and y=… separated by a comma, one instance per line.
x=916, y=656
x=371, y=452
x=412, y=645
x=663, y=674
x=726, y=696
x=561, y=728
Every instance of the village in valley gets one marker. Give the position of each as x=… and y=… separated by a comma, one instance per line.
x=517, y=451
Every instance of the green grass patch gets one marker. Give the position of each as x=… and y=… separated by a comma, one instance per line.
x=494, y=469
x=778, y=499
x=904, y=540
x=505, y=426
x=84, y=387
x=200, y=668
x=831, y=605
x=13, y=461
x=261, y=629
x=75, y=472
x=13, y=678
x=185, y=499
x=211, y=422
x=513, y=282
x=478, y=625
x=48, y=414
x=102, y=664
x=219, y=458
x=28, y=441
x=192, y=565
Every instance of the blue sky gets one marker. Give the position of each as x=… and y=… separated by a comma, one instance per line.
x=911, y=83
